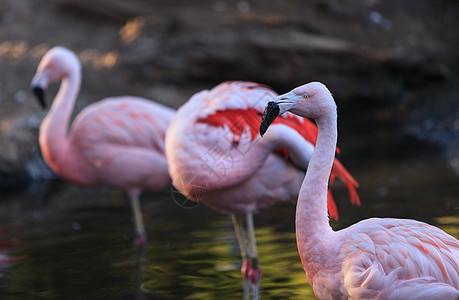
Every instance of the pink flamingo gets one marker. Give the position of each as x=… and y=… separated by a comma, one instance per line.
x=375, y=258
x=216, y=158
x=117, y=142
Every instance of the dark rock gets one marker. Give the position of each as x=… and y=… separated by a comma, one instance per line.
x=20, y=160
x=388, y=64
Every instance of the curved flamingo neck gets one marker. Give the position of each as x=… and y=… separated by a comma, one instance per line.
x=54, y=139
x=314, y=234
x=244, y=161
x=238, y=164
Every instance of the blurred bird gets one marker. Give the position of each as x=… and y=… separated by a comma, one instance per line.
x=216, y=158
x=116, y=142
x=375, y=258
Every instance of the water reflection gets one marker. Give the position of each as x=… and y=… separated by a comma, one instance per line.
x=76, y=242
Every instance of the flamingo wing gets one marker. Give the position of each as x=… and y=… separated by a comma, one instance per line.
x=127, y=121
x=123, y=141
x=392, y=256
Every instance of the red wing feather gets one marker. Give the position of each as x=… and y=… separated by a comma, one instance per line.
x=238, y=120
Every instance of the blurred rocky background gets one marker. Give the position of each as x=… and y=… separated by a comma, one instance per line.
x=393, y=66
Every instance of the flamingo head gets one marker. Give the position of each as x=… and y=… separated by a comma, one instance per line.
x=310, y=100
x=56, y=64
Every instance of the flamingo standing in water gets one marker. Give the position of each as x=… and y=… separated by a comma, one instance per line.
x=117, y=142
x=375, y=258
x=216, y=158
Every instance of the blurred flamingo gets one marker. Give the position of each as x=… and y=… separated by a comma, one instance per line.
x=117, y=141
x=375, y=258
x=216, y=158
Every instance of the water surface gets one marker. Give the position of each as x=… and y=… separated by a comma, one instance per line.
x=76, y=243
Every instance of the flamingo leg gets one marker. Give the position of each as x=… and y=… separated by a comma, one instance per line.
x=254, y=272
x=141, y=235
x=140, y=269
x=240, y=234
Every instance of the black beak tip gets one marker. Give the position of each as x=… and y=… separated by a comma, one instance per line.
x=263, y=129
x=40, y=94
x=269, y=115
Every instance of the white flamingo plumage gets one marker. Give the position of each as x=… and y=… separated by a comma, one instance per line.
x=375, y=258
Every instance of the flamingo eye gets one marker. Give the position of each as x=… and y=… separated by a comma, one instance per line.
x=305, y=95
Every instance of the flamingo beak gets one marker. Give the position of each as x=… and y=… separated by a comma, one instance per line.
x=40, y=94
x=269, y=115
x=39, y=85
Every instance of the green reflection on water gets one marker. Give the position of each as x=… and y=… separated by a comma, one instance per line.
x=206, y=265
x=191, y=254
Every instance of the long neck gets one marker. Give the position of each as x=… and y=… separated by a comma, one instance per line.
x=54, y=129
x=237, y=164
x=314, y=234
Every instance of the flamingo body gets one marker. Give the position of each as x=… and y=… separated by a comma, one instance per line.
x=385, y=259
x=122, y=136
x=375, y=258
x=216, y=158
x=117, y=142
x=391, y=256
x=212, y=146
